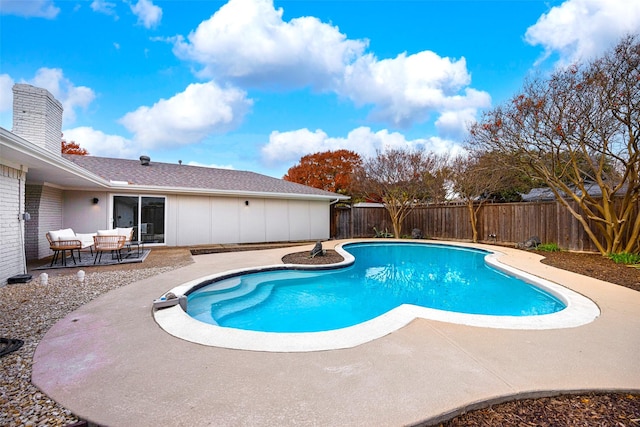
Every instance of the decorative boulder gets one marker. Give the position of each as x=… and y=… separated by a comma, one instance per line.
x=416, y=233
x=530, y=243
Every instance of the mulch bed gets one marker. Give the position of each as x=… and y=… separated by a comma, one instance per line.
x=620, y=409
x=594, y=265
x=330, y=257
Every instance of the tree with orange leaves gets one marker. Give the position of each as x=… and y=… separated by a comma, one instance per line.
x=329, y=170
x=72, y=147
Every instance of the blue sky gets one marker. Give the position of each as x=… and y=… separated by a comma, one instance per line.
x=257, y=84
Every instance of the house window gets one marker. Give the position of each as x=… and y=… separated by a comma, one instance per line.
x=144, y=213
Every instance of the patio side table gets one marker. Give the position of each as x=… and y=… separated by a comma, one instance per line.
x=139, y=245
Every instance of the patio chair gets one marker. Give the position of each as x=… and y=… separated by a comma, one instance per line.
x=113, y=244
x=121, y=231
x=126, y=232
x=63, y=243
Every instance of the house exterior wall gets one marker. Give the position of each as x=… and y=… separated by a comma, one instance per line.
x=32, y=195
x=276, y=220
x=225, y=227
x=49, y=217
x=253, y=226
x=80, y=214
x=201, y=220
x=11, y=226
x=194, y=212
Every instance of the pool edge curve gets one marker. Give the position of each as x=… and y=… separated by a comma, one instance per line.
x=580, y=310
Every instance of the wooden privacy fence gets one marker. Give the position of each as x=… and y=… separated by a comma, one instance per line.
x=510, y=222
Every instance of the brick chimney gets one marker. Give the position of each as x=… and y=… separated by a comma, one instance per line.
x=37, y=117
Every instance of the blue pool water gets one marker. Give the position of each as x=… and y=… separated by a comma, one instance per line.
x=384, y=276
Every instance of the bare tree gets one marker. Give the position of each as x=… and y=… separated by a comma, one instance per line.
x=398, y=178
x=578, y=131
x=476, y=178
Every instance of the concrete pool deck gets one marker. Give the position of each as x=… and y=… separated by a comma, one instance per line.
x=110, y=363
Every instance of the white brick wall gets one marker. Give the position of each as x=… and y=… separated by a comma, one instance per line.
x=45, y=206
x=11, y=247
x=33, y=193
x=49, y=217
x=37, y=117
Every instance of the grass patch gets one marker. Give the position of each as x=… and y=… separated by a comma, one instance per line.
x=625, y=258
x=548, y=247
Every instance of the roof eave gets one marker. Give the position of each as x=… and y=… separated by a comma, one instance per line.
x=39, y=155
x=227, y=193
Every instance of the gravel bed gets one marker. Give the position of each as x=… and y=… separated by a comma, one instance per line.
x=27, y=311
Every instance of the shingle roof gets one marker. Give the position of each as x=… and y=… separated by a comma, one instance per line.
x=168, y=175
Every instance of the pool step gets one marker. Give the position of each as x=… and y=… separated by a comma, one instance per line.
x=244, y=303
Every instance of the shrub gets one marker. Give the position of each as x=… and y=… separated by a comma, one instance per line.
x=625, y=258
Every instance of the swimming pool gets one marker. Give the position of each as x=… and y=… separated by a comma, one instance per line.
x=384, y=276
x=578, y=309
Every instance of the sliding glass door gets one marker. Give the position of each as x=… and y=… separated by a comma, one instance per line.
x=144, y=213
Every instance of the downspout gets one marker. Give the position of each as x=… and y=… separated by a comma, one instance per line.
x=22, y=217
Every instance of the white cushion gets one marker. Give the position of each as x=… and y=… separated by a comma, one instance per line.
x=63, y=234
x=125, y=232
x=86, y=239
x=117, y=232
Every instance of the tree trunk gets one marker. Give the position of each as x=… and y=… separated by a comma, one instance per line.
x=474, y=221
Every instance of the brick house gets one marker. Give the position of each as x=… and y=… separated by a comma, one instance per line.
x=167, y=204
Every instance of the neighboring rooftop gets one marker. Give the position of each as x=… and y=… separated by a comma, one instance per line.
x=157, y=174
x=544, y=194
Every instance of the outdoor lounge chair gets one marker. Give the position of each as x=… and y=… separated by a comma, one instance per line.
x=69, y=243
x=67, y=240
x=113, y=244
x=126, y=232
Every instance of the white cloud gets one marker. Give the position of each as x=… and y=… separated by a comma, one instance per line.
x=6, y=92
x=288, y=147
x=248, y=40
x=455, y=124
x=70, y=96
x=31, y=8
x=99, y=144
x=581, y=29
x=404, y=90
x=105, y=7
x=148, y=14
x=192, y=163
x=189, y=116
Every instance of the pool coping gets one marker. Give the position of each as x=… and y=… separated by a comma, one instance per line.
x=174, y=320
